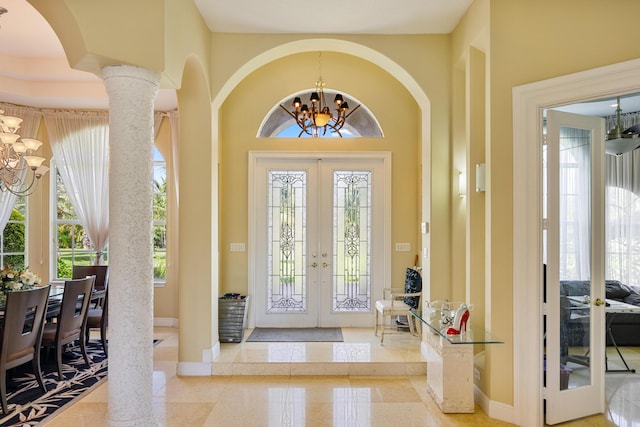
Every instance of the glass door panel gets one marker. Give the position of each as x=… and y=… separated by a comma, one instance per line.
x=352, y=241
x=574, y=266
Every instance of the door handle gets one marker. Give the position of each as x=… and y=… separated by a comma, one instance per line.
x=325, y=265
x=314, y=265
x=598, y=302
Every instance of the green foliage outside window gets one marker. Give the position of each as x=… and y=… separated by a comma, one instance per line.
x=13, y=241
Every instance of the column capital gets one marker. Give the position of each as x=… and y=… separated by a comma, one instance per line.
x=130, y=71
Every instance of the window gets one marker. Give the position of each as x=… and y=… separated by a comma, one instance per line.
x=74, y=246
x=278, y=123
x=13, y=237
x=623, y=236
x=159, y=216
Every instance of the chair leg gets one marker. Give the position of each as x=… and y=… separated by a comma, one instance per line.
x=83, y=348
x=35, y=362
x=375, y=332
x=411, y=327
x=59, y=360
x=382, y=327
x=3, y=390
x=103, y=338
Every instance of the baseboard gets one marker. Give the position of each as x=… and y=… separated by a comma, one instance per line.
x=496, y=410
x=194, y=369
x=165, y=322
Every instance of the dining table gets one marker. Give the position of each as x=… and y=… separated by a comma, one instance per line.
x=56, y=292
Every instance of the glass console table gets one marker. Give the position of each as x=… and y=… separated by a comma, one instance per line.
x=449, y=360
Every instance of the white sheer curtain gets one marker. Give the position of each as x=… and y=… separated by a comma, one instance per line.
x=175, y=128
x=80, y=144
x=29, y=127
x=623, y=218
x=575, y=213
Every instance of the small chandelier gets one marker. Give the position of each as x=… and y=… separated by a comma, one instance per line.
x=19, y=168
x=619, y=140
x=318, y=118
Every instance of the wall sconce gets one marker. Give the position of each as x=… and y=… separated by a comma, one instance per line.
x=480, y=177
x=462, y=183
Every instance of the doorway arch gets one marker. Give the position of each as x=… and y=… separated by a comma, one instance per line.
x=362, y=52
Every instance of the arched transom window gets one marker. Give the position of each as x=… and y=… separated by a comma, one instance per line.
x=279, y=122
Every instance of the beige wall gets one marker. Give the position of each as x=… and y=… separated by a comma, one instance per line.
x=243, y=112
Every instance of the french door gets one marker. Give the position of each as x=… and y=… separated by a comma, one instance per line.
x=317, y=238
x=575, y=248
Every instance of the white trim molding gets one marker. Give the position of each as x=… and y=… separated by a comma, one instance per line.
x=200, y=369
x=170, y=322
x=529, y=102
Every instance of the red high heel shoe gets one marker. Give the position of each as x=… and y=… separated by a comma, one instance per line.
x=459, y=321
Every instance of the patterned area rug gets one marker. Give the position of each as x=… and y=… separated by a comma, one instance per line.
x=29, y=406
x=296, y=335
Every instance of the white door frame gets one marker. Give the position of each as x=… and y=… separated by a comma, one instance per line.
x=528, y=103
x=306, y=155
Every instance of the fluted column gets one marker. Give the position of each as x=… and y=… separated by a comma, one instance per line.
x=132, y=92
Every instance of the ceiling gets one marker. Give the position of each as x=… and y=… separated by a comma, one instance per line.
x=25, y=35
x=353, y=17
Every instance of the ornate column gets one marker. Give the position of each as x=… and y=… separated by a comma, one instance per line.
x=132, y=92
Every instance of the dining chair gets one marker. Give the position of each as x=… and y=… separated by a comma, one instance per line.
x=98, y=318
x=102, y=277
x=22, y=328
x=72, y=321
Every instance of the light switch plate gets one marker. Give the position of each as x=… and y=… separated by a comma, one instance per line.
x=237, y=247
x=403, y=247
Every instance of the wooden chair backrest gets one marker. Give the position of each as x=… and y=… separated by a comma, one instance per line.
x=75, y=304
x=100, y=271
x=22, y=326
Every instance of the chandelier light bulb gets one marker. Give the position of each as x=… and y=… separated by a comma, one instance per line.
x=31, y=144
x=9, y=138
x=19, y=147
x=34, y=161
x=12, y=124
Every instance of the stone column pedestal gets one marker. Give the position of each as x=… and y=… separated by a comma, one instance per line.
x=450, y=374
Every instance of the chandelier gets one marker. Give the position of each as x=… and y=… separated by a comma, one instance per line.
x=620, y=140
x=19, y=168
x=316, y=119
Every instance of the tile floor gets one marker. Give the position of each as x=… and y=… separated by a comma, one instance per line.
x=323, y=395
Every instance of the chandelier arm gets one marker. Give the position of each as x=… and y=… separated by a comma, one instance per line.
x=351, y=112
x=289, y=112
x=335, y=129
x=22, y=191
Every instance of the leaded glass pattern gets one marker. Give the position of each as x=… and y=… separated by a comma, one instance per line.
x=286, y=229
x=352, y=241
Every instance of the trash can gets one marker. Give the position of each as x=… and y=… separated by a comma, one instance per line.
x=232, y=317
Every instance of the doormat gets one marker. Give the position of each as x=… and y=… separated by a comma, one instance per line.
x=295, y=335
